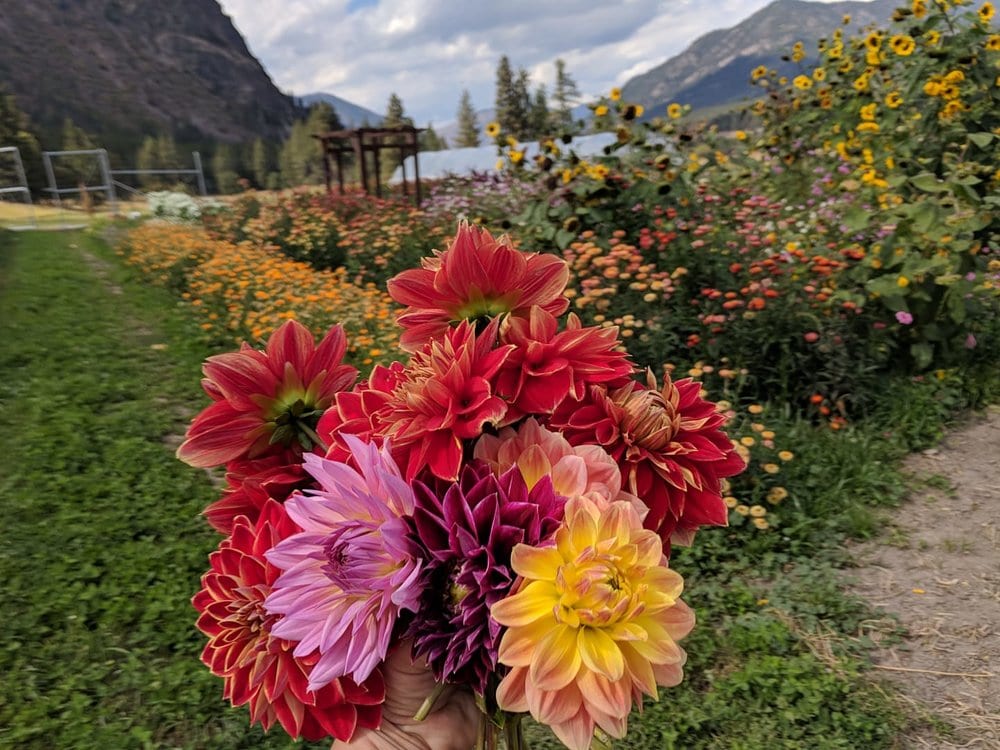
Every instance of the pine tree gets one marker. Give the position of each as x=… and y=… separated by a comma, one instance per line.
x=73, y=171
x=395, y=117
x=521, y=106
x=538, y=117
x=146, y=158
x=565, y=96
x=468, y=125
x=430, y=141
x=260, y=163
x=225, y=169
x=505, y=97
x=15, y=130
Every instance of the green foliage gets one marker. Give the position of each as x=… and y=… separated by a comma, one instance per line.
x=16, y=130
x=564, y=97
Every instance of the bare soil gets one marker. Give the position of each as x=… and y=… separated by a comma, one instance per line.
x=937, y=569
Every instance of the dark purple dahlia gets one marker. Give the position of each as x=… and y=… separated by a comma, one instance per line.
x=467, y=530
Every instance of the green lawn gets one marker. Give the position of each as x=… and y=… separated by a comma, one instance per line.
x=101, y=546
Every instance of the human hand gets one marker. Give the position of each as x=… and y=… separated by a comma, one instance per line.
x=452, y=723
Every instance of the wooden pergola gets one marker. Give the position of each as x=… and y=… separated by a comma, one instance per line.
x=364, y=141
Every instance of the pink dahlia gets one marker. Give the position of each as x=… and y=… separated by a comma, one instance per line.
x=549, y=365
x=352, y=568
x=477, y=277
x=250, y=485
x=446, y=397
x=575, y=471
x=467, y=530
x=267, y=402
x=669, y=445
x=258, y=667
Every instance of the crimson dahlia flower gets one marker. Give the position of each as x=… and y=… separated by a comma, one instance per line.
x=548, y=365
x=352, y=569
x=258, y=667
x=250, y=485
x=356, y=412
x=477, y=277
x=267, y=402
x=447, y=396
x=467, y=530
x=669, y=446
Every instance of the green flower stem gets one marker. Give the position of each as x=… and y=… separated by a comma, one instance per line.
x=313, y=436
x=428, y=705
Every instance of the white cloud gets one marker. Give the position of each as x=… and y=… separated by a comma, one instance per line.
x=427, y=51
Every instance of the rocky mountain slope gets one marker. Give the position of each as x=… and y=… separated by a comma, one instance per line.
x=715, y=69
x=122, y=69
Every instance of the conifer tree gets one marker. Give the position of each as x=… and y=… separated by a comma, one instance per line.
x=565, y=96
x=430, y=141
x=468, y=125
x=225, y=169
x=538, y=117
x=260, y=163
x=15, y=130
x=505, y=104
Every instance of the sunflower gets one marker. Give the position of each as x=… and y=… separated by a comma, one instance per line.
x=493, y=129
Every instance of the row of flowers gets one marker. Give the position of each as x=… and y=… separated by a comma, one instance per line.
x=243, y=292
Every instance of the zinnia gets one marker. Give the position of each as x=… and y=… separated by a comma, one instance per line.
x=668, y=445
x=594, y=625
x=258, y=667
x=468, y=529
x=267, y=403
x=477, y=277
x=352, y=569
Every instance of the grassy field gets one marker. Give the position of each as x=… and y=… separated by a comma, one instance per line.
x=102, y=547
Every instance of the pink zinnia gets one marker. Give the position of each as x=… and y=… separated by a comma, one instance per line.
x=267, y=402
x=351, y=570
x=478, y=277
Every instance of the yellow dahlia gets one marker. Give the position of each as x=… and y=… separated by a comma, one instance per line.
x=593, y=625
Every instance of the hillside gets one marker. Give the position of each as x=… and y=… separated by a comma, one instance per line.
x=351, y=115
x=715, y=68
x=122, y=69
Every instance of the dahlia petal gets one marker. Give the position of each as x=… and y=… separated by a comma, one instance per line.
x=529, y=604
x=511, y=691
x=600, y=653
x=539, y=563
x=604, y=696
x=557, y=659
x=577, y=733
x=237, y=375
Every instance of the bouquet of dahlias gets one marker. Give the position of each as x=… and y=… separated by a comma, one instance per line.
x=502, y=503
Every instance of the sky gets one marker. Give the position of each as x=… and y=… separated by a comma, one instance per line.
x=427, y=51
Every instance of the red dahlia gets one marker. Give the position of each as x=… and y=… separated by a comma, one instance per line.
x=669, y=446
x=258, y=669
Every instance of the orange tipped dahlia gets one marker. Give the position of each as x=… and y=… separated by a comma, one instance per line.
x=446, y=397
x=477, y=277
x=258, y=668
x=267, y=402
x=594, y=624
x=669, y=445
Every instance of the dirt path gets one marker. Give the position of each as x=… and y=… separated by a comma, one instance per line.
x=938, y=570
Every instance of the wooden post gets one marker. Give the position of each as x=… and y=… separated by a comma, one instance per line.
x=359, y=150
x=340, y=170
x=416, y=172
x=378, y=165
x=326, y=165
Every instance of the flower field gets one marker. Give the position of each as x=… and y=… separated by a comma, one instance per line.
x=809, y=298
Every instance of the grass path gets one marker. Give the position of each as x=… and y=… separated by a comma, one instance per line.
x=101, y=545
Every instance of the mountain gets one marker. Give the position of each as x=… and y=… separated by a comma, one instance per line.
x=715, y=69
x=123, y=69
x=351, y=115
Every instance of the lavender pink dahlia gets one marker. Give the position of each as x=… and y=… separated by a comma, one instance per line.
x=352, y=570
x=468, y=529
